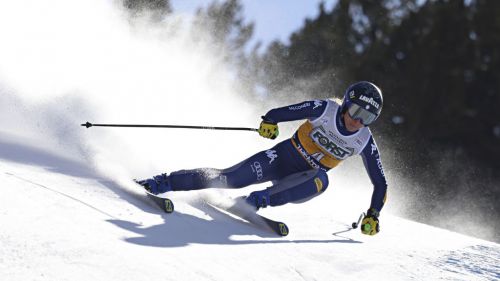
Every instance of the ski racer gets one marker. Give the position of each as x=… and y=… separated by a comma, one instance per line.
x=297, y=167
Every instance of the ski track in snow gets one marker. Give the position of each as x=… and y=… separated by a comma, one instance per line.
x=63, y=194
x=62, y=224
x=478, y=260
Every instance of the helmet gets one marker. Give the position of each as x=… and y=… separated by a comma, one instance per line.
x=363, y=101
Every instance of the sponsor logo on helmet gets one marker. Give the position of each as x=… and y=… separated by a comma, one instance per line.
x=370, y=101
x=351, y=94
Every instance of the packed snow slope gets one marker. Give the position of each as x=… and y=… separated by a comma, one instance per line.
x=69, y=209
x=62, y=221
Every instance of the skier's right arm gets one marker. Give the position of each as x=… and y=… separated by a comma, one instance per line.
x=306, y=110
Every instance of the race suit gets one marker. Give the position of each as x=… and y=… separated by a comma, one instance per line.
x=297, y=166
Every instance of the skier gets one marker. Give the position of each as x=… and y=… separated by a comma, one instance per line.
x=298, y=166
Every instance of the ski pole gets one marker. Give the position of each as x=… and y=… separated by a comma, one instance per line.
x=88, y=125
x=354, y=225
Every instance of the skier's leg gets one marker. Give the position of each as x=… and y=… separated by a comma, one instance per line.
x=250, y=171
x=296, y=188
x=245, y=173
x=157, y=184
x=263, y=166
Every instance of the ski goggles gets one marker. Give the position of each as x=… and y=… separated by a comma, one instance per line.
x=358, y=113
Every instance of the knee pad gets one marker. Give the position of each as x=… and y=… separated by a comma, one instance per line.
x=321, y=181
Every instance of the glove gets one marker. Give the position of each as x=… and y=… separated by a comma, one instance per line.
x=370, y=225
x=268, y=129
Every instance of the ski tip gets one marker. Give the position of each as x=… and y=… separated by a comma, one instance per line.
x=168, y=206
x=283, y=229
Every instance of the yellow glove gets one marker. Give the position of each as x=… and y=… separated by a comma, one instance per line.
x=370, y=225
x=268, y=130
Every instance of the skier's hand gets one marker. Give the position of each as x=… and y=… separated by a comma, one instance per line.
x=370, y=225
x=268, y=129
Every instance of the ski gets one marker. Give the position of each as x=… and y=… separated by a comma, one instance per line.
x=164, y=203
x=246, y=212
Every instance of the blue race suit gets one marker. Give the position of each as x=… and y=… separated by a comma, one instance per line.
x=296, y=176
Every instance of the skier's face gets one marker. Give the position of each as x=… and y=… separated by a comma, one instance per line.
x=352, y=125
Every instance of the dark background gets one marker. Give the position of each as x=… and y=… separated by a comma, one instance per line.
x=438, y=64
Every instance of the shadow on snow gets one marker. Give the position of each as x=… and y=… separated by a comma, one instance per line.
x=178, y=229
x=181, y=229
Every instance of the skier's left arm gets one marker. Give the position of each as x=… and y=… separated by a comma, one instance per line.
x=306, y=110
x=373, y=165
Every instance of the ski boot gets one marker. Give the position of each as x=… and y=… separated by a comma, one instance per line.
x=259, y=199
x=156, y=185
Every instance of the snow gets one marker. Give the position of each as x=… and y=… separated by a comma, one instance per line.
x=70, y=211
x=60, y=224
